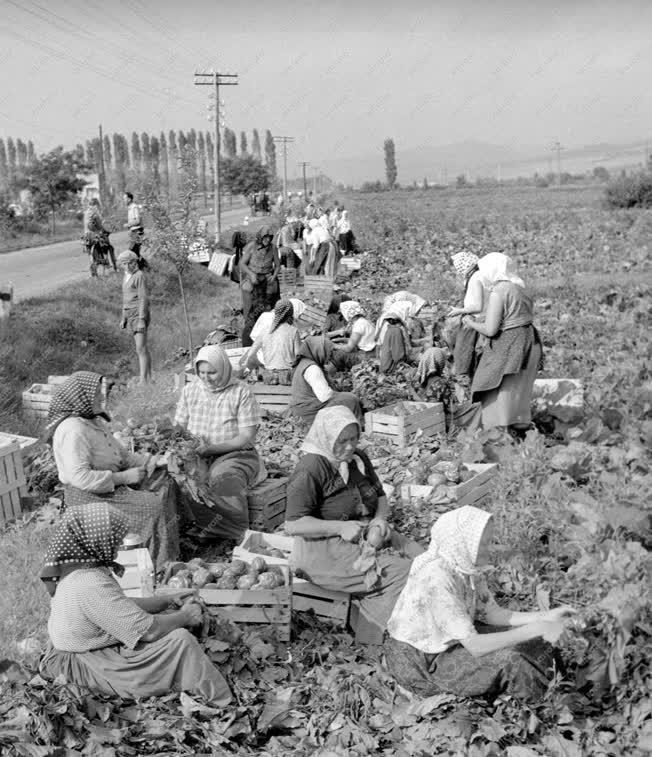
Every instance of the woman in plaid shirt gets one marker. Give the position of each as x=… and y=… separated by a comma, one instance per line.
x=224, y=414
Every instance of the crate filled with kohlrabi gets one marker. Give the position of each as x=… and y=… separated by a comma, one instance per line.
x=255, y=592
x=440, y=478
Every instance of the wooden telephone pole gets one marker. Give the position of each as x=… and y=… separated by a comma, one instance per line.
x=558, y=148
x=214, y=79
x=303, y=165
x=284, y=141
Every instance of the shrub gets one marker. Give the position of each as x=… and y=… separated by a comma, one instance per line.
x=632, y=191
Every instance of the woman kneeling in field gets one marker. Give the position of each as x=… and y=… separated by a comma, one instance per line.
x=448, y=634
x=107, y=642
x=333, y=495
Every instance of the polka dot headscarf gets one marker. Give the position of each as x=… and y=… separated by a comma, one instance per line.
x=87, y=535
x=73, y=398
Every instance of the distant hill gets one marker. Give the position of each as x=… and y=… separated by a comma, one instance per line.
x=441, y=164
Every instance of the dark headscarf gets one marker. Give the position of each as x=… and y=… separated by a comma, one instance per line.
x=88, y=535
x=315, y=348
x=283, y=313
x=73, y=398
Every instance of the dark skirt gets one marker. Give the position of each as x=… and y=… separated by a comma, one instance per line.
x=150, y=512
x=464, y=354
x=504, y=354
x=523, y=670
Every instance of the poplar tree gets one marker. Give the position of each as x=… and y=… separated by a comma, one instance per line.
x=21, y=154
x=390, y=163
x=146, y=154
x=255, y=145
x=164, y=165
x=136, y=156
x=243, y=143
x=31, y=155
x=4, y=172
x=270, y=153
x=11, y=160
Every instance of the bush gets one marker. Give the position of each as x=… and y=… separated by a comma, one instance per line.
x=633, y=191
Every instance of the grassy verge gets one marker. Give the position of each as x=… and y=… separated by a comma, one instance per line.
x=66, y=232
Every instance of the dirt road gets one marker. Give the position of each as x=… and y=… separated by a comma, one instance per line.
x=38, y=270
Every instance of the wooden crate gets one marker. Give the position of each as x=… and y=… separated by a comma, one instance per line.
x=319, y=286
x=313, y=317
x=426, y=416
x=326, y=603
x=475, y=491
x=235, y=354
x=267, y=503
x=138, y=578
x=57, y=379
x=350, y=263
x=273, y=399
x=428, y=313
x=36, y=400
x=266, y=606
x=290, y=280
x=12, y=481
x=27, y=444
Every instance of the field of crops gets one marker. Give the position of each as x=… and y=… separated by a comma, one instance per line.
x=572, y=507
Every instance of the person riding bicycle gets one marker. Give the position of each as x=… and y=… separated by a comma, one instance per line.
x=96, y=238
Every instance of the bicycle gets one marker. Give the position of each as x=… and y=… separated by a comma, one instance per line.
x=100, y=251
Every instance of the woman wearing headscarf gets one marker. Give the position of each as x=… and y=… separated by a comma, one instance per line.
x=259, y=269
x=393, y=335
x=254, y=358
x=362, y=337
x=135, y=310
x=109, y=643
x=224, y=415
x=310, y=388
x=476, y=296
x=333, y=496
x=317, y=248
x=505, y=374
x=280, y=346
x=93, y=466
x=345, y=234
x=440, y=633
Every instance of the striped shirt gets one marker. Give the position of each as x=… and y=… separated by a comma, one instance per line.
x=216, y=417
x=90, y=611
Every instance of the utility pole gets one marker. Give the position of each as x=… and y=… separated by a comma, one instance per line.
x=314, y=182
x=284, y=141
x=101, y=179
x=303, y=165
x=558, y=148
x=214, y=79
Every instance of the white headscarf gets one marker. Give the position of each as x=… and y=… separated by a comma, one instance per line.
x=343, y=223
x=214, y=355
x=496, y=267
x=350, y=309
x=298, y=307
x=326, y=428
x=404, y=296
x=456, y=536
x=401, y=311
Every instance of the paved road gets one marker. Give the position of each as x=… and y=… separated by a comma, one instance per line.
x=38, y=270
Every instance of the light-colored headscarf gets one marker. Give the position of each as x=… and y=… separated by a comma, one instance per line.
x=313, y=223
x=324, y=432
x=343, y=223
x=496, y=267
x=400, y=311
x=298, y=307
x=215, y=356
x=464, y=263
x=127, y=256
x=404, y=296
x=456, y=536
x=350, y=310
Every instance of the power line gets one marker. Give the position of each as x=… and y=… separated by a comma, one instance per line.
x=214, y=79
x=558, y=148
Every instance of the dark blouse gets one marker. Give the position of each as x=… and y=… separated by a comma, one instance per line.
x=317, y=489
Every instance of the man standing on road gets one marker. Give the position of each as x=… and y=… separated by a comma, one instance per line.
x=134, y=224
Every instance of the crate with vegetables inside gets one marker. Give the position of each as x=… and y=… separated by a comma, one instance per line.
x=398, y=422
x=449, y=481
x=276, y=550
x=243, y=593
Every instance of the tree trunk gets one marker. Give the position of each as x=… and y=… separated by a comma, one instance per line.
x=185, y=313
x=54, y=222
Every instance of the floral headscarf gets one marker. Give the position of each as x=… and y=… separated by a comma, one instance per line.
x=215, y=356
x=350, y=310
x=464, y=263
x=88, y=535
x=456, y=536
x=315, y=348
x=496, y=267
x=73, y=398
x=283, y=313
x=326, y=428
x=431, y=363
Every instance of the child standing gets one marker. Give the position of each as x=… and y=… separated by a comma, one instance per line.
x=135, y=310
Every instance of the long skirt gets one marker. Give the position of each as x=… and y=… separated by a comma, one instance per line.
x=226, y=514
x=505, y=377
x=316, y=266
x=175, y=662
x=346, y=242
x=332, y=260
x=522, y=670
x=464, y=354
x=330, y=562
x=150, y=511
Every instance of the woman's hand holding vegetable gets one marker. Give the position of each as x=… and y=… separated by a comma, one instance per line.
x=351, y=530
x=383, y=525
x=130, y=477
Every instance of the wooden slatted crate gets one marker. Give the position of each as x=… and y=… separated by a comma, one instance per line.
x=235, y=355
x=428, y=313
x=13, y=484
x=267, y=503
x=325, y=603
x=273, y=399
x=350, y=263
x=36, y=400
x=475, y=491
x=425, y=416
x=27, y=444
x=320, y=286
x=290, y=280
x=313, y=317
x=264, y=606
x=138, y=578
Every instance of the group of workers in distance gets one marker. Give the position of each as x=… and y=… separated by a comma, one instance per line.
x=444, y=632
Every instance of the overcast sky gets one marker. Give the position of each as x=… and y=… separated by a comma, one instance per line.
x=339, y=76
